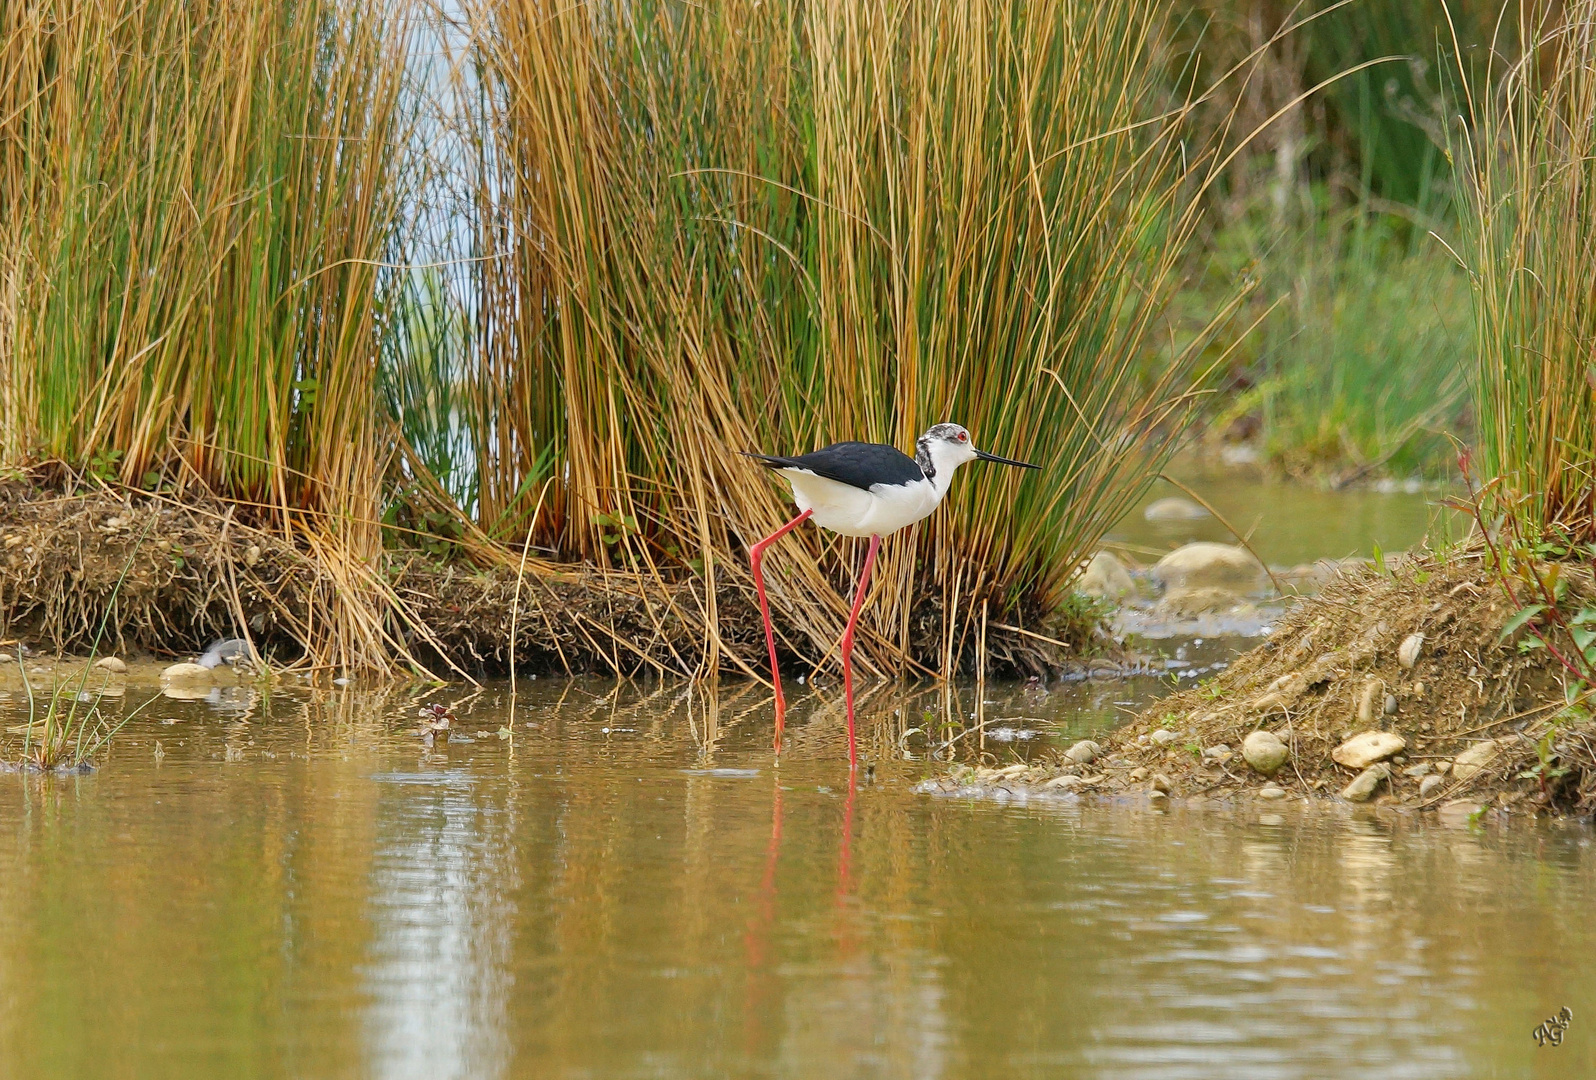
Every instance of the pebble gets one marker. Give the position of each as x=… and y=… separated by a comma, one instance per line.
x=1364, y=784
x=1471, y=762
x=1138, y=774
x=1218, y=751
x=1106, y=577
x=1408, y=651
x=6, y=658
x=1264, y=751
x=252, y=555
x=1416, y=771
x=1428, y=785
x=1390, y=704
x=186, y=673
x=1157, y=798
x=1368, y=747
x=1161, y=783
x=1272, y=792
x=1064, y=783
x=1211, y=566
x=1367, y=700
x=1174, y=508
x=1082, y=752
x=1163, y=736
x=114, y=664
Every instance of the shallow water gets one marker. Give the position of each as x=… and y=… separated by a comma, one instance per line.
x=629, y=887
x=1289, y=523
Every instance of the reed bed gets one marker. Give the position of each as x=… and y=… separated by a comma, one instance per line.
x=195, y=200
x=706, y=229
x=1532, y=243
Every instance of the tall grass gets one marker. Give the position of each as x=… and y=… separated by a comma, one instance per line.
x=746, y=226
x=1532, y=246
x=194, y=198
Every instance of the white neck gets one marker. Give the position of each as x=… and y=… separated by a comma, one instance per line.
x=943, y=457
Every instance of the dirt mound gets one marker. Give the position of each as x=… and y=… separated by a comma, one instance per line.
x=1418, y=653
x=169, y=576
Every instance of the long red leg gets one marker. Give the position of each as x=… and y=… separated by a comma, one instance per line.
x=847, y=645
x=756, y=555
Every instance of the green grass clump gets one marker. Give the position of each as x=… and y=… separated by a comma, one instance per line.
x=1531, y=246
x=1360, y=365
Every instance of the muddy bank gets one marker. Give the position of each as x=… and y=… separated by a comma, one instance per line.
x=169, y=577
x=1390, y=689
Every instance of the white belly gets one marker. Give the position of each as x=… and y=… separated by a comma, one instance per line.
x=851, y=511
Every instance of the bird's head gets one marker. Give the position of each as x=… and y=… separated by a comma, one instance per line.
x=945, y=447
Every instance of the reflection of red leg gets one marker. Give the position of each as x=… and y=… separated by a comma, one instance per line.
x=755, y=556
x=757, y=940
x=847, y=645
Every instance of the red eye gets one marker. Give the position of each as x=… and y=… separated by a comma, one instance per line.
x=964, y=436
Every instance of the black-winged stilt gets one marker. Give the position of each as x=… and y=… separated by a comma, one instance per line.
x=863, y=489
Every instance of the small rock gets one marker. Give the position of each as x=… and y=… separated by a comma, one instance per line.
x=1428, y=785
x=1106, y=577
x=1268, y=702
x=1269, y=791
x=6, y=658
x=1471, y=762
x=1064, y=783
x=252, y=555
x=1368, y=699
x=1368, y=747
x=1161, y=783
x=1010, y=771
x=1416, y=771
x=1083, y=752
x=1157, y=798
x=1218, y=750
x=1418, y=689
x=1408, y=651
x=1174, y=508
x=1188, y=603
x=1364, y=784
x=1390, y=704
x=1211, y=566
x=1139, y=773
x=1163, y=736
x=1443, y=767
x=1264, y=751
x=114, y=664
x=186, y=673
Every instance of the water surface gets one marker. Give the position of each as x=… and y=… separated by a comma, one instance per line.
x=630, y=887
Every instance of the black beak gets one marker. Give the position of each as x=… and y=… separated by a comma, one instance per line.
x=984, y=456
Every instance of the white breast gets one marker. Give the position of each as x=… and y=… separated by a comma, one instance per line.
x=851, y=511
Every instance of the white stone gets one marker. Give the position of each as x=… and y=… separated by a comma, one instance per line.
x=1064, y=783
x=1270, y=791
x=1428, y=785
x=1364, y=784
x=1106, y=577
x=1083, y=752
x=1211, y=566
x=1368, y=747
x=1161, y=783
x=190, y=674
x=114, y=664
x=1471, y=762
x=1174, y=508
x=1264, y=751
x=1408, y=651
x=1163, y=736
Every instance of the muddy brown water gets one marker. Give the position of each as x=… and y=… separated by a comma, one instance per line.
x=630, y=886
x=291, y=885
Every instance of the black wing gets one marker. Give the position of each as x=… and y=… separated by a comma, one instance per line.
x=857, y=464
